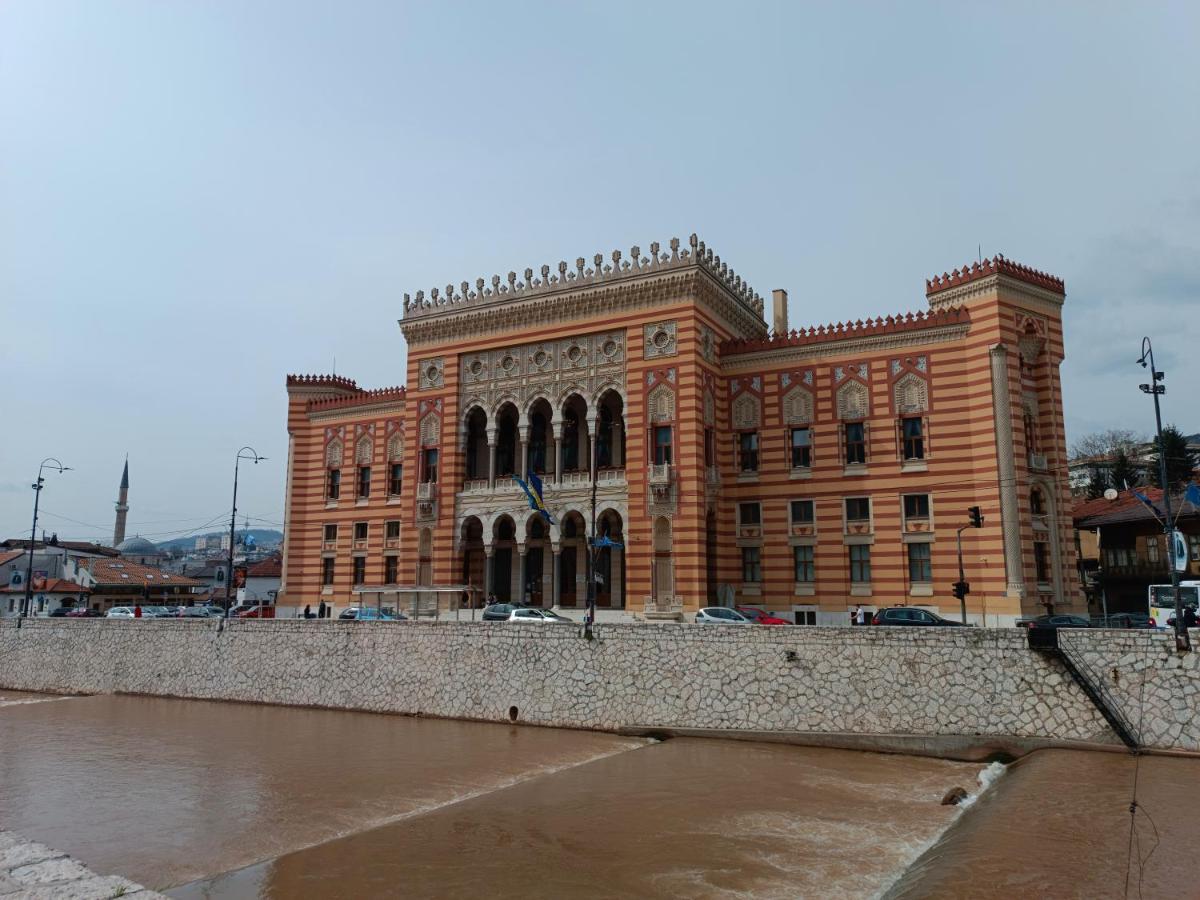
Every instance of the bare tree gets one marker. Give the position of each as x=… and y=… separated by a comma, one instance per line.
x=1106, y=443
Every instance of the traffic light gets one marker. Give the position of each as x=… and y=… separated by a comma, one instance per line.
x=976, y=517
x=961, y=589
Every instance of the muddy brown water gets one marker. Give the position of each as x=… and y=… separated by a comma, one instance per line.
x=220, y=800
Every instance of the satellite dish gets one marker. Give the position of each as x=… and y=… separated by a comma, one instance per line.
x=1110, y=494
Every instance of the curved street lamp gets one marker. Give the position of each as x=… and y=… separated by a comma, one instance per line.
x=245, y=453
x=27, y=603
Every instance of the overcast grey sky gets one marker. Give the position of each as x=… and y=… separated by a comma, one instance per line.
x=198, y=198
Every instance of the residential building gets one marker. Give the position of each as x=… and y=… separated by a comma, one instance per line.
x=119, y=582
x=804, y=471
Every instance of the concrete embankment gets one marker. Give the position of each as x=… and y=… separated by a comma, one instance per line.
x=33, y=871
x=974, y=684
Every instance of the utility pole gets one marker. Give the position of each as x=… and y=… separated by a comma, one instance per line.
x=590, y=616
x=233, y=517
x=1183, y=641
x=27, y=603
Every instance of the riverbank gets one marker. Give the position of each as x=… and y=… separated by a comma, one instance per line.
x=32, y=871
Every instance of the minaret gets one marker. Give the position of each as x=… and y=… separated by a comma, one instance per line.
x=122, y=506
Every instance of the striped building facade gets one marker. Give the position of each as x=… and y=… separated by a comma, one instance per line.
x=800, y=471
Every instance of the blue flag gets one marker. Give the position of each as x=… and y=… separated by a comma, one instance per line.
x=1192, y=495
x=605, y=541
x=1154, y=509
x=533, y=490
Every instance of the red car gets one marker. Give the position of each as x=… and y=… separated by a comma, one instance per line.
x=759, y=617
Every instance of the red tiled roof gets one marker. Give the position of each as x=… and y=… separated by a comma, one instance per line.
x=1128, y=508
x=994, y=266
x=271, y=567
x=851, y=330
x=53, y=586
x=122, y=571
x=6, y=558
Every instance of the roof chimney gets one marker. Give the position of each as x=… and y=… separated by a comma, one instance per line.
x=779, y=322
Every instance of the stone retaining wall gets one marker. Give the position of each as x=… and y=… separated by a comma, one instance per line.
x=918, y=681
x=33, y=871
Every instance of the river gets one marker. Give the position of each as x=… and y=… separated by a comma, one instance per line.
x=220, y=800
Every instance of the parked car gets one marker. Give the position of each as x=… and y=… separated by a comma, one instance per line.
x=1060, y=621
x=156, y=612
x=197, y=612
x=909, y=615
x=371, y=614
x=1127, y=620
x=761, y=617
x=720, y=615
x=59, y=612
x=538, y=616
x=82, y=612
x=120, y=612
x=499, y=612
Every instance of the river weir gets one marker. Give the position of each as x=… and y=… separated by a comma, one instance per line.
x=220, y=800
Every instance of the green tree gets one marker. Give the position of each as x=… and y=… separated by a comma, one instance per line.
x=1180, y=461
x=1124, y=472
x=1097, y=484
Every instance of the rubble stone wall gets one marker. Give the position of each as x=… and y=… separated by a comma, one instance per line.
x=869, y=681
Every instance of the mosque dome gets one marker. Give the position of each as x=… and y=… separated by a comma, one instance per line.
x=136, y=546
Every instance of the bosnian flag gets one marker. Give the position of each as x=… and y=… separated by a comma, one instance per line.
x=533, y=490
x=1192, y=495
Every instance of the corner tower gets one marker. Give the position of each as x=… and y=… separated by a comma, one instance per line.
x=122, y=506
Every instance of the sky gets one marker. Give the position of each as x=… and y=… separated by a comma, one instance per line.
x=198, y=198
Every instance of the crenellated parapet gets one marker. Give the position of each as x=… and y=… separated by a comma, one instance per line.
x=378, y=395
x=997, y=265
x=855, y=330
x=601, y=272
x=318, y=381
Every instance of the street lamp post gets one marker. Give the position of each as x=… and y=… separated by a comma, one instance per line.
x=241, y=454
x=27, y=603
x=1155, y=388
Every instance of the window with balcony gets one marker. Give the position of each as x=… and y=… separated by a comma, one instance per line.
x=1041, y=561
x=391, y=569
x=912, y=431
x=916, y=506
x=333, y=484
x=855, y=439
x=327, y=571
x=750, y=513
x=429, y=464
x=751, y=565
x=920, y=567
x=860, y=564
x=662, y=445
x=748, y=451
x=395, y=479
x=805, y=568
x=364, y=482
x=802, y=512
x=801, y=448
x=858, y=509
x=360, y=569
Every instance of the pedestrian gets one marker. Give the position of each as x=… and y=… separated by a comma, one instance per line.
x=308, y=611
x=860, y=617
x=1189, y=617
x=322, y=610
x=137, y=611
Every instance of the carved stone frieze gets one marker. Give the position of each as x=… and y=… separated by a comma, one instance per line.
x=660, y=340
x=431, y=373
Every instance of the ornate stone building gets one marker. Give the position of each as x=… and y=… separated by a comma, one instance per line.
x=809, y=470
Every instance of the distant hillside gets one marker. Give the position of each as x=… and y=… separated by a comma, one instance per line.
x=264, y=537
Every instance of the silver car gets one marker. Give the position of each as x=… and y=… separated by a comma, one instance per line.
x=720, y=615
x=539, y=617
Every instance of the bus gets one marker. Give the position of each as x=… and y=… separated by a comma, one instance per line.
x=1162, y=600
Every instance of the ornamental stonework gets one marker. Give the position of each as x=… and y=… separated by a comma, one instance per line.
x=431, y=373
x=587, y=365
x=660, y=340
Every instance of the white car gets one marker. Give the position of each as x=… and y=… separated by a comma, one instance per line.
x=119, y=612
x=720, y=615
x=539, y=617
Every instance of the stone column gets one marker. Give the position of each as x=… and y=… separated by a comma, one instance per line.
x=525, y=453
x=558, y=464
x=488, y=573
x=591, y=466
x=1009, y=505
x=491, y=439
x=557, y=571
x=519, y=593
x=618, y=458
